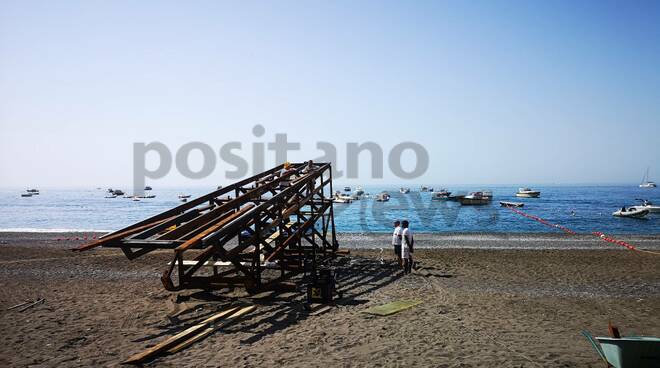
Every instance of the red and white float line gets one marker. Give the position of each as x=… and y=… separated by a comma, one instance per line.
x=599, y=234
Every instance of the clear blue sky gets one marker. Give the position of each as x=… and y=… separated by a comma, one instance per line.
x=497, y=91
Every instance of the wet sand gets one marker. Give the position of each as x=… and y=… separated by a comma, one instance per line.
x=503, y=307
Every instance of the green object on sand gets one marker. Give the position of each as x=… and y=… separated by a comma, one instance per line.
x=391, y=308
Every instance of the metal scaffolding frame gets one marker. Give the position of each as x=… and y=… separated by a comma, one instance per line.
x=243, y=234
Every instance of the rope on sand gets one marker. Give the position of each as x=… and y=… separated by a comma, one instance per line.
x=598, y=234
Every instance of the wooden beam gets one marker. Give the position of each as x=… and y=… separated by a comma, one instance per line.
x=173, y=340
x=210, y=330
x=117, y=236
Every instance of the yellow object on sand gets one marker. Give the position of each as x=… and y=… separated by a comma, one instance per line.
x=393, y=307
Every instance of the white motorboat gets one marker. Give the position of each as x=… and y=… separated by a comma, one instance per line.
x=184, y=196
x=511, y=204
x=645, y=181
x=383, y=197
x=647, y=205
x=359, y=191
x=631, y=212
x=342, y=198
x=528, y=193
x=404, y=190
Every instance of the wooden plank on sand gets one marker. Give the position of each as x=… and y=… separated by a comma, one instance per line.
x=173, y=340
x=209, y=330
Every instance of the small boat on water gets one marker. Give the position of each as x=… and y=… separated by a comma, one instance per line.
x=184, y=196
x=110, y=196
x=347, y=189
x=456, y=197
x=118, y=192
x=476, y=199
x=511, y=204
x=631, y=212
x=645, y=181
x=527, y=193
x=147, y=188
x=441, y=195
x=424, y=188
x=33, y=191
x=359, y=191
x=147, y=196
x=26, y=194
x=342, y=198
x=404, y=190
x=183, y=199
x=647, y=205
x=382, y=197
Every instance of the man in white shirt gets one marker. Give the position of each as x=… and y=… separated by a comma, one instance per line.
x=396, y=242
x=407, y=247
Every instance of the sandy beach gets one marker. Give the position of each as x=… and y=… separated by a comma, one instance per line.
x=501, y=307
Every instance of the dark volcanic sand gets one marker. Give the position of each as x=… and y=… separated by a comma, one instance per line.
x=481, y=307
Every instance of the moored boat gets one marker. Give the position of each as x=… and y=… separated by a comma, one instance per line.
x=342, y=198
x=147, y=188
x=382, y=197
x=347, y=189
x=511, y=204
x=476, y=199
x=184, y=196
x=404, y=190
x=527, y=193
x=631, y=212
x=645, y=181
x=441, y=195
x=26, y=194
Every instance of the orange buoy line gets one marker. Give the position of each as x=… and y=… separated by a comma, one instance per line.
x=600, y=235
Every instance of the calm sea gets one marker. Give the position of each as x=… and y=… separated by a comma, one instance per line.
x=580, y=208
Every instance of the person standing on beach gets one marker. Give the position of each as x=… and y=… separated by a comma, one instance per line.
x=396, y=242
x=407, y=247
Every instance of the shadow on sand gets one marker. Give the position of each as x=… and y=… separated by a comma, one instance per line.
x=276, y=311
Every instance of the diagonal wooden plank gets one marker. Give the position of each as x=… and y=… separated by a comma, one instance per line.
x=210, y=330
x=173, y=340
